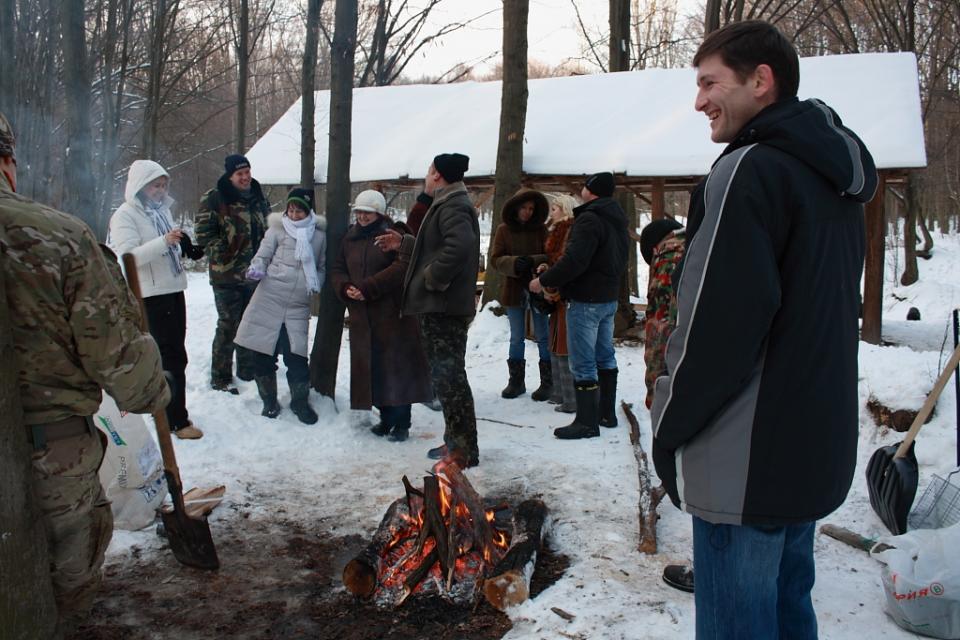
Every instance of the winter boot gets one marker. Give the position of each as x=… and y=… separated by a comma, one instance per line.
x=267, y=387
x=546, y=383
x=608, y=397
x=300, y=403
x=565, y=382
x=555, y=396
x=381, y=429
x=679, y=576
x=588, y=413
x=515, y=387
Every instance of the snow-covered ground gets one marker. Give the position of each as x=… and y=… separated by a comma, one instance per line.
x=337, y=475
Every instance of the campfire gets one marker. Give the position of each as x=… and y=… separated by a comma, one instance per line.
x=442, y=540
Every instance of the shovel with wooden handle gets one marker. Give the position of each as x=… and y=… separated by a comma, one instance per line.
x=892, y=472
x=188, y=534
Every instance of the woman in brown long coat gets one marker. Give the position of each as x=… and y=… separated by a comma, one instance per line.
x=388, y=368
x=558, y=229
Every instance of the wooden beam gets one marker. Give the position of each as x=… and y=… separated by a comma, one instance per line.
x=657, y=204
x=876, y=225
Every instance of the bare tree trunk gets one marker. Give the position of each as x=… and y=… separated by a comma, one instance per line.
x=711, y=20
x=308, y=138
x=911, y=205
x=27, y=609
x=872, y=308
x=619, y=35
x=326, y=345
x=8, y=55
x=80, y=197
x=243, y=75
x=151, y=113
x=513, y=118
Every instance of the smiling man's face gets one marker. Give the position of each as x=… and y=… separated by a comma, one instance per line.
x=729, y=102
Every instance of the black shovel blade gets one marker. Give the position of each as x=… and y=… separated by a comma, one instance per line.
x=190, y=538
x=892, y=484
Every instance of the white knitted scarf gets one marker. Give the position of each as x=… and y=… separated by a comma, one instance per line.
x=302, y=231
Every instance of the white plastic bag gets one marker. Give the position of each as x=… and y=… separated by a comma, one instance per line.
x=921, y=581
x=132, y=470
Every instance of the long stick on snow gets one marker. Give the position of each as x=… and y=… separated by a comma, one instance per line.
x=650, y=496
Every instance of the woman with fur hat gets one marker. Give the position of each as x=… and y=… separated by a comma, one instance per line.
x=143, y=226
x=290, y=268
x=388, y=367
x=517, y=250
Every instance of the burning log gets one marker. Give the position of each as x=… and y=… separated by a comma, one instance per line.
x=438, y=540
x=510, y=584
x=650, y=496
x=360, y=574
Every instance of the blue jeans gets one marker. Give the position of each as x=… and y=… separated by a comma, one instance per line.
x=518, y=331
x=754, y=582
x=590, y=338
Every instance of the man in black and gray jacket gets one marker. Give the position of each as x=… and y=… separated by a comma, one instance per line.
x=588, y=276
x=755, y=425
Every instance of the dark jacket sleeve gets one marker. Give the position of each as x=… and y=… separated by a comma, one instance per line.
x=459, y=241
x=582, y=242
x=387, y=281
x=208, y=222
x=729, y=294
x=339, y=278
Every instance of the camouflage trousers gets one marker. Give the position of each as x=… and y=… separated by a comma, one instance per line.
x=231, y=301
x=77, y=519
x=445, y=344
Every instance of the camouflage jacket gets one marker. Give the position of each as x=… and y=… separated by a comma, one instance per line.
x=230, y=229
x=661, y=315
x=75, y=326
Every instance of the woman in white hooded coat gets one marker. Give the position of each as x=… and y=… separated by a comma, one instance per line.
x=143, y=226
x=290, y=265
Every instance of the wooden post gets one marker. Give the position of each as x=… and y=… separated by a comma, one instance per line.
x=658, y=205
x=27, y=608
x=876, y=224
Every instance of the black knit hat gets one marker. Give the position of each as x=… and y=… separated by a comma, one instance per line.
x=301, y=197
x=451, y=166
x=601, y=184
x=235, y=162
x=655, y=232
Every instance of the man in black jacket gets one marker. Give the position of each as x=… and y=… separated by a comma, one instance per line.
x=755, y=425
x=588, y=276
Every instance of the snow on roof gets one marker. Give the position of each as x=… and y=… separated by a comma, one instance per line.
x=640, y=123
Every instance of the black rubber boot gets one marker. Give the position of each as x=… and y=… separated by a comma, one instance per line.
x=546, y=383
x=300, y=404
x=267, y=387
x=556, y=397
x=381, y=429
x=588, y=413
x=516, y=386
x=608, y=397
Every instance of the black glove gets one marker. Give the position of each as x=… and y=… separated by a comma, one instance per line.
x=190, y=250
x=523, y=267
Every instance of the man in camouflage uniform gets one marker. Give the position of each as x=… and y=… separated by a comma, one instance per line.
x=230, y=226
x=75, y=331
x=661, y=245
x=440, y=288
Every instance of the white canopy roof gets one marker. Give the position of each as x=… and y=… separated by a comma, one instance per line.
x=641, y=123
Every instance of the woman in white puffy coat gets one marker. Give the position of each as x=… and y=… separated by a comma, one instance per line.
x=290, y=265
x=143, y=226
